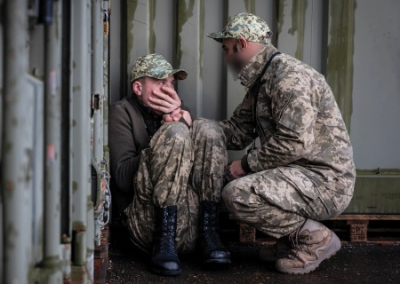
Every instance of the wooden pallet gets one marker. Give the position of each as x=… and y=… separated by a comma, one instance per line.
x=101, y=258
x=358, y=228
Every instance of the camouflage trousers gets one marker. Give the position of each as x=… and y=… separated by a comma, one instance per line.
x=182, y=167
x=278, y=201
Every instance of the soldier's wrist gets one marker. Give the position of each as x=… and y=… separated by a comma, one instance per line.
x=245, y=164
x=183, y=120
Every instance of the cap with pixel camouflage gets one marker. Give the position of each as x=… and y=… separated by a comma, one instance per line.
x=247, y=26
x=155, y=66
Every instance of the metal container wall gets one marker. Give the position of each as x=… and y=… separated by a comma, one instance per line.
x=55, y=70
x=339, y=38
x=48, y=228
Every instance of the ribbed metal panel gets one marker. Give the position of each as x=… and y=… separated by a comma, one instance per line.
x=335, y=37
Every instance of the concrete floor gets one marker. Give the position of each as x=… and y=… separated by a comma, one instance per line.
x=378, y=264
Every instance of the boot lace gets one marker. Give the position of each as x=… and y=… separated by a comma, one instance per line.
x=210, y=233
x=167, y=240
x=297, y=246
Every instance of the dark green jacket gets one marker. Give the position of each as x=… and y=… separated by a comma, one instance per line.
x=131, y=127
x=128, y=136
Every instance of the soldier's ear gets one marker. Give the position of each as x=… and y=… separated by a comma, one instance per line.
x=243, y=43
x=137, y=88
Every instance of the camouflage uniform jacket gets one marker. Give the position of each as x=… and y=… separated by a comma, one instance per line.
x=297, y=120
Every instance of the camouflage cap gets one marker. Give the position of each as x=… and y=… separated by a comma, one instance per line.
x=245, y=25
x=155, y=66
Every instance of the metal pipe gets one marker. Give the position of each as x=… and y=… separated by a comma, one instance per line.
x=80, y=136
x=89, y=204
x=97, y=90
x=1, y=131
x=106, y=206
x=52, y=247
x=17, y=146
x=1, y=107
x=90, y=242
x=66, y=150
x=97, y=81
x=37, y=213
x=106, y=59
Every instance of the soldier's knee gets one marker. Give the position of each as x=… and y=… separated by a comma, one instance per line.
x=228, y=195
x=206, y=123
x=209, y=128
x=175, y=130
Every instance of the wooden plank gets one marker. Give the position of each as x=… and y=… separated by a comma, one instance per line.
x=366, y=217
x=356, y=222
x=358, y=225
x=247, y=234
x=383, y=241
x=358, y=230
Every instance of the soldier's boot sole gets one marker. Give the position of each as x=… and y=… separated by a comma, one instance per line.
x=329, y=250
x=217, y=261
x=274, y=252
x=270, y=256
x=166, y=272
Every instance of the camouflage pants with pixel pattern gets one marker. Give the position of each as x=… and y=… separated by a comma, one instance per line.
x=278, y=201
x=182, y=167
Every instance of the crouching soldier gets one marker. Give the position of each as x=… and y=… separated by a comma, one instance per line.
x=168, y=169
x=303, y=172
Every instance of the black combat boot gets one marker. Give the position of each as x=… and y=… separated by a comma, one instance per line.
x=214, y=252
x=164, y=260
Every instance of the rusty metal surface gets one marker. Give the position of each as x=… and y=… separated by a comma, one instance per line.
x=101, y=260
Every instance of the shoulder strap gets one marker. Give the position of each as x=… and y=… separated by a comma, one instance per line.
x=256, y=88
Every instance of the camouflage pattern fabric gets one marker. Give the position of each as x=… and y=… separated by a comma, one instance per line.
x=305, y=162
x=182, y=167
x=278, y=201
x=247, y=26
x=155, y=66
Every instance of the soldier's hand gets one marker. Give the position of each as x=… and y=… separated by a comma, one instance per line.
x=176, y=115
x=236, y=169
x=173, y=116
x=166, y=100
x=186, y=116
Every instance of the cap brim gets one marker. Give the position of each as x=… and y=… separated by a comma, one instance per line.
x=218, y=36
x=179, y=74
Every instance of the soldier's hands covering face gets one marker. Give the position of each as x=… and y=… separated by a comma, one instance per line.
x=166, y=100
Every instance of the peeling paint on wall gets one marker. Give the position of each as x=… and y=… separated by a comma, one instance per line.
x=74, y=186
x=131, y=9
x=281, y=16
x=185, y=12
x=250, y=6
x=299, y=8
x=340, y=54
x=152, y=17
x=201, y=37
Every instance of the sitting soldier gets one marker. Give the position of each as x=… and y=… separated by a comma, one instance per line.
x=168, y=171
